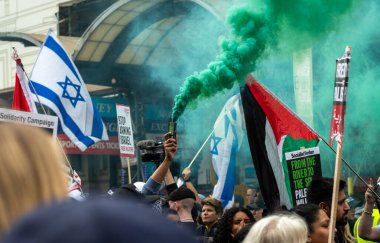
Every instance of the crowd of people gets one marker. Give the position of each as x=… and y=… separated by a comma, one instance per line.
x=35, y=206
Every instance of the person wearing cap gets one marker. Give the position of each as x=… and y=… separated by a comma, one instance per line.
x=182, y=200
x=212, y=211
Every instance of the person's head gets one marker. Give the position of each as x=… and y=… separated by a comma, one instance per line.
x=278, y=228
x=251, y=194
x=257, y=210
x=258, y=213
x=320, y=192
x=238, y=202
x=318, y=222
x=128, y=192
x=172, y=215
x=232, y=221
x=212, y=210
x=240, y=236
x=32, y=171
x=96, y=221
x=182, y=199
x=353, y=203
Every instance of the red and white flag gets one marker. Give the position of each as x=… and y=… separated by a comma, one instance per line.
x=21, y=96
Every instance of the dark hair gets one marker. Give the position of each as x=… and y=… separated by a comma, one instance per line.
x=194, y=213
x=239, y=199
x=257, y=188
x=128, y=191
x=223, y=231
x=240, y=236
x=321, y=190
x=170, y=211
x=309, y=212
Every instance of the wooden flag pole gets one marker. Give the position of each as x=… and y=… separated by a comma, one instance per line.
x=336, y=131
x=334, y=202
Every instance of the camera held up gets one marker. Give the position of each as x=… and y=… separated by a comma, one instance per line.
x=151, y=151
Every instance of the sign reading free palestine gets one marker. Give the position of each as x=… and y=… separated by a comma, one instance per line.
x=303, y=166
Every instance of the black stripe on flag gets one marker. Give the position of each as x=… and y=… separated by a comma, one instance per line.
x=255, y=120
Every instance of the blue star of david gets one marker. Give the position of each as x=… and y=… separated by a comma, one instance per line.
x=216, y=141
x=75, y=98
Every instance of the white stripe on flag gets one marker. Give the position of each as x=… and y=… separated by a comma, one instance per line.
x=225, y=143
x=276, y=164
x=59, y=86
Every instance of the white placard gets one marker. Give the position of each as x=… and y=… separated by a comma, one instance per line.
x=47, y=122
x=125, y=132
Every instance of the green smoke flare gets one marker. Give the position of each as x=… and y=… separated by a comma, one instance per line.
x=279, y=22
x=235, y=61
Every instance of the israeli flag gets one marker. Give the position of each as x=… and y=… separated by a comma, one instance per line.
x=225, y=143
x=58, y=85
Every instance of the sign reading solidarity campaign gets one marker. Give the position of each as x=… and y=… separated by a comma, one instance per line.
x=303, y=165
x=124, y=122
x=49, y=123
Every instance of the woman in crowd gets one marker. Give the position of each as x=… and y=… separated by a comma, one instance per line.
x=318, y=222
x=212, y=210
x=233, y=220
x=278, y=228
x=32, y=172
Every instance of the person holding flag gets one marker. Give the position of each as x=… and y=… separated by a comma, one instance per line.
x=56, y=83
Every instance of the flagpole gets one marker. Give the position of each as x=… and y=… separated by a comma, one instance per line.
x=337, y=129
x=334, y=202
x=15, y=56
x=350, y=167
x=204, y=143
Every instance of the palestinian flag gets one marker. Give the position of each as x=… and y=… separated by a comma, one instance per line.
x=272, y=130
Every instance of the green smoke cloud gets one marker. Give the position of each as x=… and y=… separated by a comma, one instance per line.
x=256, y=27
x=251, y=33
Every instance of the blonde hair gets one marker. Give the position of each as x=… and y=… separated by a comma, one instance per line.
x=278, y=229
x=31, y=171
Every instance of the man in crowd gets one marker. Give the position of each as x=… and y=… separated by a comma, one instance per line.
x=320, y=192
x=182, y=200
x=251, y=195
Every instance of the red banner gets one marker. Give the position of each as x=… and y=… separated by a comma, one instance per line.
x=102, y=147
x=340, y=94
